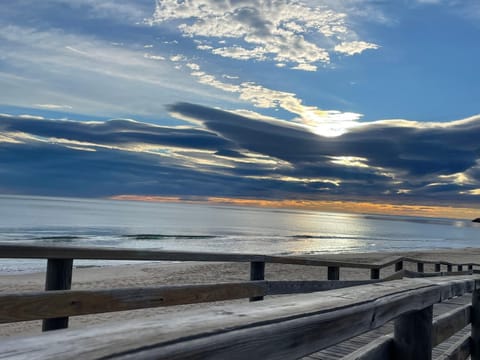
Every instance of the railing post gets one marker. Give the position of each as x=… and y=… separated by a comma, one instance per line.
x=438, y=267
x=333, y=273
x=460, y=268
x=59, y=277
x=257, y=272
x=399, y=266
x=375, y=273
x=420, y=267
x=449, y=267
x=413, y=335
x=475, y=319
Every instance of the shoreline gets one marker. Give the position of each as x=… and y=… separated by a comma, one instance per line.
x=177, y=273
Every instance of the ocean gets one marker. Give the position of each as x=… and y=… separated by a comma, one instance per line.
x=213, y=228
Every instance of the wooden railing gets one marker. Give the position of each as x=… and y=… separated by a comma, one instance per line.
x=55, y=307
x=281, y=328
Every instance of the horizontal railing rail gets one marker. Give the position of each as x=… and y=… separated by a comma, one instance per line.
x=106, y=253
x=60, y=267
x=282, y=328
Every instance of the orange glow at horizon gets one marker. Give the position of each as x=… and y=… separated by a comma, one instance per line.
x=321, y=205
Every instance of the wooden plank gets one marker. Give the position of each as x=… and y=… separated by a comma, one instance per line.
x=412, y=338
x=395, y=276
x=415, y=274
x=282, y=328
x=297, y=260
x=449, y=323
x=460, y=350
x=475, y=318
x=379, y=349
x=366, y=341
x=106, y=253
x=58, y=277
x=257, y=272
x=298, y=287
x=23, y=251
x=39, y=305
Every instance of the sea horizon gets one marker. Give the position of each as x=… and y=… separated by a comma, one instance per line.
x=64, y=221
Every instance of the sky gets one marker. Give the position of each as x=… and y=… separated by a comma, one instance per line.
x=279, y=102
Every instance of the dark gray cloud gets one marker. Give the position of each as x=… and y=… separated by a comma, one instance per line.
x=115, y=132
x=237, y=156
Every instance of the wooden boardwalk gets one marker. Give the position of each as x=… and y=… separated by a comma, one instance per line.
x=347, y=347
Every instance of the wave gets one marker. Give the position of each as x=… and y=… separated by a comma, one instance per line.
x=166, y=236
x=57, y=238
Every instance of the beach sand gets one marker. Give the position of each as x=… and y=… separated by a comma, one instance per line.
x=154, y=274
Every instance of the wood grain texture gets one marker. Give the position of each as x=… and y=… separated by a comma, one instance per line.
x=28, y=306
x=298, y=287
x=412, y=338
x=104, y=253
x=280, y=328
x=475, y=318
x=58, y=277
x=379, y=349
x=458, y=351
x=52, y=304
x=449, y=323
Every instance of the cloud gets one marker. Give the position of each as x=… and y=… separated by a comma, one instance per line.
x=398, y=155
x=354, y=47
x=322, y=122
x=53, y=106
x=294, y=32
x=103, y=79
x=242, y=155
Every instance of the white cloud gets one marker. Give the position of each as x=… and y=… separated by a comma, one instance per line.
x=153, y=57
x=103, y=79
x=322, y=122
x=284, y=31
x=354, y=47
x=53, y=106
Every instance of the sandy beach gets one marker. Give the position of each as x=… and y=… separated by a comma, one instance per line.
x=152, y=274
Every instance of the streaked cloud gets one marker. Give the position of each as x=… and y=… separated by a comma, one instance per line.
x=265, y=157
x=53, y=106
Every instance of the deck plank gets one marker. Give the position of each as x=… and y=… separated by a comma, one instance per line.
x=340, y=350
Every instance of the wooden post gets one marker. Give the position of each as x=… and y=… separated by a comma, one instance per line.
x=59, y=277
x=399, y=266
x=475, y=318
x=438, y=267
x=449, y=267
x=333, y=273
x=257, y=272
x=420, y=267
x=460, y=267
x=413, y=335
x=375, y=273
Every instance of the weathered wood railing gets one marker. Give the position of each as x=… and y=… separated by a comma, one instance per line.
x=57, y=306
x=281, y=328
